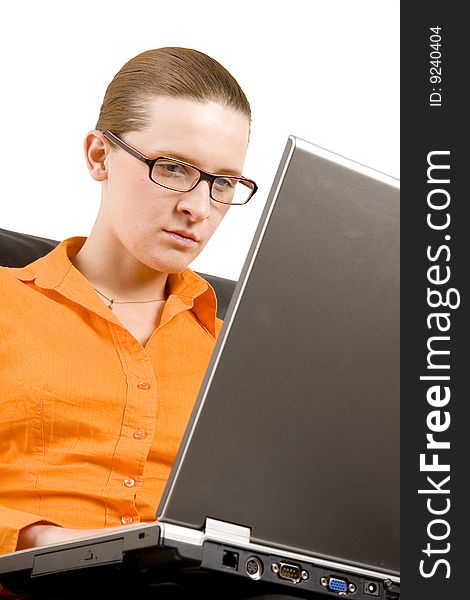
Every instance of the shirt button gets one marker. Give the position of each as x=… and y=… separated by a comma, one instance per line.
x=143, y=385
x=127, y=519
x=139, y=434
x=129, y=482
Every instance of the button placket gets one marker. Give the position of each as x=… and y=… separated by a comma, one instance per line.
x=138, y=424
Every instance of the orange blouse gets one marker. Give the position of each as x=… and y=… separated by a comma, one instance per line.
x=90, y=421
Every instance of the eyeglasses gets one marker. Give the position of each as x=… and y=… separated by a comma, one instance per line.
x=180, y=176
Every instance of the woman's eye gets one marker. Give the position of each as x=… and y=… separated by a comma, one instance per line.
x=168, y=168
x=174, y=169
x=224, y=184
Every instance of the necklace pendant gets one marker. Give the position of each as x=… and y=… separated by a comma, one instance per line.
x=110, y=305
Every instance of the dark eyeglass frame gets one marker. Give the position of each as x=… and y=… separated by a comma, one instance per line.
x=203, y=175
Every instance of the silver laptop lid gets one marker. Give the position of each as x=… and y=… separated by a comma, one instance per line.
x=295, y=433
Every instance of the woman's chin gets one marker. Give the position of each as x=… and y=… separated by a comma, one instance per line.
x=175, y=265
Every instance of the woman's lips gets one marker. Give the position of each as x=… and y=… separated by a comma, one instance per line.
x=182, y=238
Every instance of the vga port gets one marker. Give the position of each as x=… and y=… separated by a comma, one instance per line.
x=338, y=585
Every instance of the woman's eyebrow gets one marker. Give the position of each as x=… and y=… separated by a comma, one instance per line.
x=191, y=161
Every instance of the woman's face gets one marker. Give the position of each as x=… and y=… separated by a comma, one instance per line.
x=161, y=228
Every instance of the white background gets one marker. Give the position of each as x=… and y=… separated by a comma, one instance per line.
x=324, y=70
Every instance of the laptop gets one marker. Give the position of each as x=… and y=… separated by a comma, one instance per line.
x=289, y=469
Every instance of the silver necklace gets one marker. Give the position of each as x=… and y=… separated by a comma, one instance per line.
x=113, y=301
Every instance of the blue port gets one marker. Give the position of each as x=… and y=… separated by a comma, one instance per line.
x=337, y=585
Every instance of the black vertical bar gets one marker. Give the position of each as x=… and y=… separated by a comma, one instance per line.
x=434, y=300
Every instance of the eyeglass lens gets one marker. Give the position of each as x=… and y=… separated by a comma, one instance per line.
x=182, y=178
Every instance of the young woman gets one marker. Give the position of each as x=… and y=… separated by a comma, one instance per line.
x=104, y=342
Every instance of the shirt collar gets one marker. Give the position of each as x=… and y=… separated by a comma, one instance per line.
x=187, y=290
x=55, y=271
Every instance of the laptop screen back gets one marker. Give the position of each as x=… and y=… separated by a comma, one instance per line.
x=296, y=429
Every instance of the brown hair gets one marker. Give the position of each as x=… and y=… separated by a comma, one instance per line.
x=175, y=72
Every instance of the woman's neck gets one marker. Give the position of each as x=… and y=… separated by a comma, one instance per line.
x=114, y=271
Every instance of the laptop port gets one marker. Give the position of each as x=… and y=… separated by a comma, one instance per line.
x=254, y=567
x=230, y=560
x=289, y=572
x=371, y=588
x=338, y=585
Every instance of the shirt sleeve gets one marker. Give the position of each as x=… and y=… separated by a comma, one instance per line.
x=11, y=523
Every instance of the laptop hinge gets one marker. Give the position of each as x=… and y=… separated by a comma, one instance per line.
x=227, y=532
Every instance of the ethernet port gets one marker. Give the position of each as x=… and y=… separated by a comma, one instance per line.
x=230, y=560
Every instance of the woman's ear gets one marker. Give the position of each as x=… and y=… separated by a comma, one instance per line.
x=96, y=150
